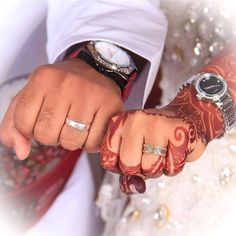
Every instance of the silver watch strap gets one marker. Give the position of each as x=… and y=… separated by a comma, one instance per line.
x=188, y=82
x=226, y=105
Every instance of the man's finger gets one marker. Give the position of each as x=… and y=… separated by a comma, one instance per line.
x=72, y=138
x=10, y=136
x=27, y=109
x=99, y=127
x=51, y=119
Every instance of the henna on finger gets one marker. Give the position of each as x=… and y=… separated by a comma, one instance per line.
x=129, y=170
x=109, y=158
x=156, y=169
x=132, y=184
x=177, y=152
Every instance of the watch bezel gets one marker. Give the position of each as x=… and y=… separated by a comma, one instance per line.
x=202, y=94
x=127, y=70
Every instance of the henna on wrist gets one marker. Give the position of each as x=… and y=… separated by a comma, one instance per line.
x=204, y=119
x=224, y=64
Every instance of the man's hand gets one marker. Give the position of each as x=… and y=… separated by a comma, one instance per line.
x=183, y=128
x=70, y=89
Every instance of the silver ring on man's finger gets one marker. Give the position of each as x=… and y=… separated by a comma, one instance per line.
x=77, y=125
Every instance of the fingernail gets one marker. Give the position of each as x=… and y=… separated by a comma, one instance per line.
x=18, y=153
x=132, y=184
x=15, y=149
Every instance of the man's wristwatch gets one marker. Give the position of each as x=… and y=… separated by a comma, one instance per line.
x=110, y=60
x=212, y=87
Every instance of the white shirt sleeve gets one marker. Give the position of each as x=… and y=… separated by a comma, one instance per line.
x=139, y=26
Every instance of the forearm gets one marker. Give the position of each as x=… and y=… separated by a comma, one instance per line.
x=224, y=64
x=210, y=118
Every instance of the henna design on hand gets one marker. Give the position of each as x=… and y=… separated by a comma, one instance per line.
x=178, y=144
x=204, y=119
x=129, y=170
x=156, y=169
x=176, y=156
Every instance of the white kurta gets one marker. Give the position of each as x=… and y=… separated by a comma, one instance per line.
x=27, y=26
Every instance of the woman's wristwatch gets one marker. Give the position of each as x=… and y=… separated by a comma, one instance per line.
x=212, y=87
x=110, y=60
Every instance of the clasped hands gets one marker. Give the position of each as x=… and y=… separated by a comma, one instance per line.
x=72, y=89
x=181, y=130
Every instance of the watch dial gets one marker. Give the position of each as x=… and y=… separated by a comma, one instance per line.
x=112, y=54
x=211, y=85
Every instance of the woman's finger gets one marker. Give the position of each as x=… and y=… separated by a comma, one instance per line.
x=111, y=144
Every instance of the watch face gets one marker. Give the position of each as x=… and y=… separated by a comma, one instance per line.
x=113, y=54
x=212, y=85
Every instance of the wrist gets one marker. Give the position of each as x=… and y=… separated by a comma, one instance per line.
x=207, y=117
x=81, y=67
x=110, y=60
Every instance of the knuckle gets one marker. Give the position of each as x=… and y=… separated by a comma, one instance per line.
x=92, y=146
x=118, y=104
x=22, y=125
x=128, y=170
x=45, y=139
x=41, y=71
x=114, y=101
x=138, y=116
x=21, y=102
x=105, y=164
x=157, y=123
x=46, y=116
x=71, y=146
x=114, y=118
x=68, y=80
x=135, y=121
x=110, y=165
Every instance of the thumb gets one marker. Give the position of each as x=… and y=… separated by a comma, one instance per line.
x=132, y=184
x=21, y=145
x=10, y=136
x=198, y=150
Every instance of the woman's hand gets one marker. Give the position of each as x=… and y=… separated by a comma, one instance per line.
x=183, y=128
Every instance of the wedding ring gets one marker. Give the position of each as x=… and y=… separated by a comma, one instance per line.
x=77, y=125
x=154, y=149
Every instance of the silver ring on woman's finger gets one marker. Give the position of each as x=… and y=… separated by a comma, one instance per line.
x=154, y=149
x=77, y=125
